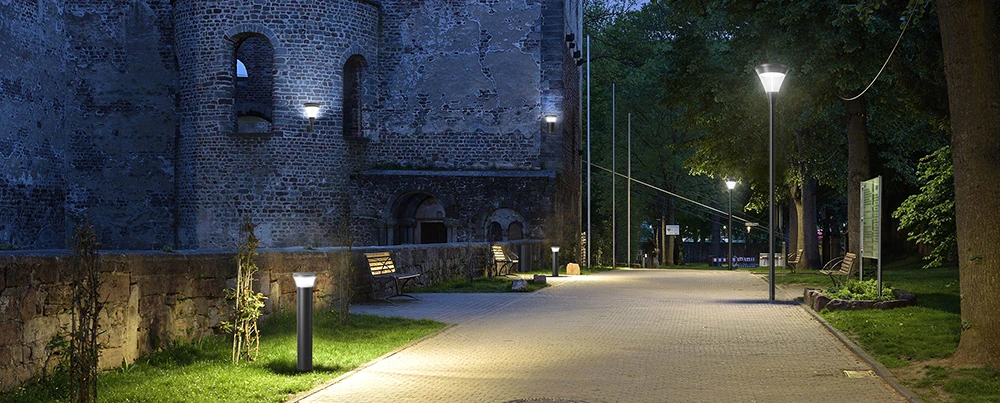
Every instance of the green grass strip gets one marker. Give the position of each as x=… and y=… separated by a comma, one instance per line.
x=202, y=372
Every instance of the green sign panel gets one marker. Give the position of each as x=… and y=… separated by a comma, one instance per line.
x=871, y=217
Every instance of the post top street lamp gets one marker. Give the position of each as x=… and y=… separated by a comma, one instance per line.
x=771, y=75
x=730, y=183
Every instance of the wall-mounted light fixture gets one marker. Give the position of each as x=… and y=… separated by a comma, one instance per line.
x=312, y=111
x=304, y=283
x=550, y=123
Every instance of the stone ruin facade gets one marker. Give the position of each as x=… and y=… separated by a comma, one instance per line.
x=166, y=121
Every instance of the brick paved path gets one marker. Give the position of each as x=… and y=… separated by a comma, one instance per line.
x=623, y=336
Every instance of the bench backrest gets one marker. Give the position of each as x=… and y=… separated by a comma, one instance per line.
x=498, y=254
x=380, y=263
x=797, y=256
x=847, y=266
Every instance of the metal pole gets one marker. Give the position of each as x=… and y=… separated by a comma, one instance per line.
x=730, y=259
x=303, y=326
x=588, y=153
x=629, y=218
x=770, y=201
x=614, y=171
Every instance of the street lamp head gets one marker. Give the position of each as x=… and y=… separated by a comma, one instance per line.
x=730, y=183
x=555, y=249
x=771, y=75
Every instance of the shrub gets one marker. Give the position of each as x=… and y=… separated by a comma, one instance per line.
x=855, y=290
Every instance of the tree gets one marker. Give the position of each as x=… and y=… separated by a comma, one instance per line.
x=972, y=67
x=930, y=214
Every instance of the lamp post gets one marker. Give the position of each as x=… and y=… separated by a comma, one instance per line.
x=304, y=283
x=731, y=184
x=555, y=261
x=771, y=76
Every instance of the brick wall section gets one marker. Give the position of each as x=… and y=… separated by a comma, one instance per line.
x=156, y=299
x=32, y=143
x=292, y=182
x=121, y=162
x=461, y=85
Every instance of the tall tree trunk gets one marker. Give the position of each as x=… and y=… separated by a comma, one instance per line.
x=857, y=168
x=807, y=214
x=972, y=67
x=793, y=219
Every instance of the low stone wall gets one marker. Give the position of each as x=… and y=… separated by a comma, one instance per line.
x=154, y=299
x=817, y=300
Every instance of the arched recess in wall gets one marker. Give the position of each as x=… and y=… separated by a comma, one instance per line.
x=253, y=95
x=353, y=88
x=504, y=224
x=418, y=218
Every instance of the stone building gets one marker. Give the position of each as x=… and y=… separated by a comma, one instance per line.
x=166, y=121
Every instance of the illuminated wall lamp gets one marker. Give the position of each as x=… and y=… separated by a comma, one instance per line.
x=312, y=111
x=550, y=123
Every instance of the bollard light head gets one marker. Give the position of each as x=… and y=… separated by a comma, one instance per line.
x=304, y=279
x=555, y=249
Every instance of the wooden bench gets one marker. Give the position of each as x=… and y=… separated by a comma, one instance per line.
x=384, y=270
x=794, y=260
x=502, y=262
x=845, y=268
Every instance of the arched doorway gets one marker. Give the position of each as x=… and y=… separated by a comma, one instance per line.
x=418, y=217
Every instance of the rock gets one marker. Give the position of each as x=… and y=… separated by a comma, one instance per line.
x=573, y=269
x=519, y=285
x=539, y=279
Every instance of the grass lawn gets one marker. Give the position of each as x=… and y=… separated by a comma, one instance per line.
x=478, y=285
x=913, y=342
x=202, y=372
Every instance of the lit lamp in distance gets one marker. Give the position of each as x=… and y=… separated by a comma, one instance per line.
x=555, y=261
x=304, y=283
x=731, y=184
x=312, y=112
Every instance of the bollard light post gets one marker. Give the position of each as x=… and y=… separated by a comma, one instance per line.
x=555, y=261
x=771, y=76
x=304, y=283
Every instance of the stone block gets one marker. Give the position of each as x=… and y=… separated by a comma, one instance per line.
x=29, y=305
x=115, y=287
x=10, y=333
x=539, y=279
x=17, y=275
x=519, y=285
x=573, y=269
x=10, y=304
x=40, y=330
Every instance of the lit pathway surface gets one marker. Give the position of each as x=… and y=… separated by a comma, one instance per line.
x=622, y=336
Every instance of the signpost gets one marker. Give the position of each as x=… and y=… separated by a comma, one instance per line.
x=871, y=221
x=672, y=230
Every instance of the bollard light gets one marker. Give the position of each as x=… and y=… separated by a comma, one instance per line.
x=304, y=283
x=555, y=261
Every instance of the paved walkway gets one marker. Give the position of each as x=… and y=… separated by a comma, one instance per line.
x=622, y=336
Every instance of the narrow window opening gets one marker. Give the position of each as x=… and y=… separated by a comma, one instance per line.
x=353, y=81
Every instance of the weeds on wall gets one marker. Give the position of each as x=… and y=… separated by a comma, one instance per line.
x=83, y=347
x=247, y=303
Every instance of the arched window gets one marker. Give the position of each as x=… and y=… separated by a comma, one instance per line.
x=515, y=231
x=253, y=95
x=353, y=80
x=495, y=233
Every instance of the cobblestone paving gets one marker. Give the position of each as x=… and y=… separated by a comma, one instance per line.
x=623, y=336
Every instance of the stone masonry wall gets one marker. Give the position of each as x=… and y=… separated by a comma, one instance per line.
x=32, y=145
x=155, y=299
x=293, y=183
x=120, y=123
x=86, y=89
x=461, y=85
